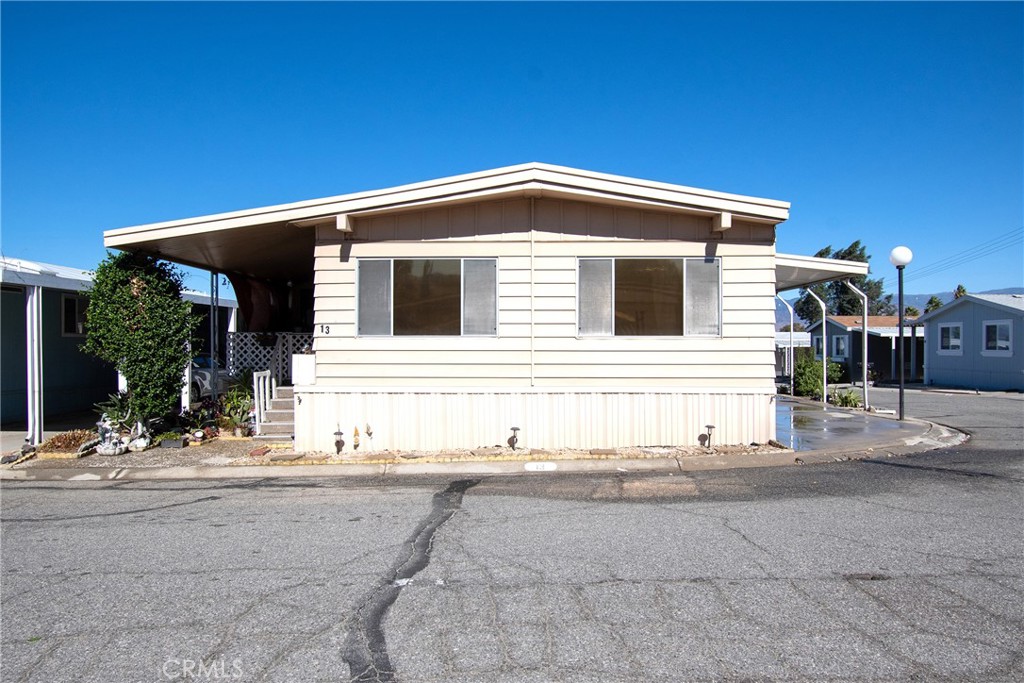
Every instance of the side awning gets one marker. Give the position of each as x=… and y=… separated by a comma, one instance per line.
x=795, y=272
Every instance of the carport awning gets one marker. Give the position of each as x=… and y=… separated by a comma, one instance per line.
x=793, y=271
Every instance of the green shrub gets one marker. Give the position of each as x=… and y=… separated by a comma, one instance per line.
x=846, y=399
x=138, y=321
x=807, y=376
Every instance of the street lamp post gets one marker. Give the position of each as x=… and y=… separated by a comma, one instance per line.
x=900, y=257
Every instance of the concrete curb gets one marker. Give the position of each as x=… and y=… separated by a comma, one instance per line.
x=932, y=436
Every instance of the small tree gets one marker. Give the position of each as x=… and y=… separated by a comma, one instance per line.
x=911, y=312
x=933, y=303
x=797, y=327
x=137, y=320
x=959, y=292
x=807, y=376
x=838, y=298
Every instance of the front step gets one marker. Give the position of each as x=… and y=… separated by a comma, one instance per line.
x=278, y=428
x=279, y=421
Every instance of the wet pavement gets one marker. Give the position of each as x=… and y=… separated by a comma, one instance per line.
x=807, y=426
x=800, y=424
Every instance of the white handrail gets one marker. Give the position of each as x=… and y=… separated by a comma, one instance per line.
x=263, y=386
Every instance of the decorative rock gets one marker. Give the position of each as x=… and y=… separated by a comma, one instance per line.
x=285, y=457
x=259, y=452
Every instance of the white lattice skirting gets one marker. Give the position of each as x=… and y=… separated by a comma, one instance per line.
x=258, y=351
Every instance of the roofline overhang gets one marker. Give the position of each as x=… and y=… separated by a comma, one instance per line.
x=526, y=180
x=950, y=305
x=800, y=272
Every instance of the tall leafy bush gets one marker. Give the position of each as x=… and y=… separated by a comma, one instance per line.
x=138, y=321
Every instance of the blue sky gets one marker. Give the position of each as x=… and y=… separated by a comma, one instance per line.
x=885, y=122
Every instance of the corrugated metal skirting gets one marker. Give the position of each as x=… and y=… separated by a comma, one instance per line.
x=430, y=420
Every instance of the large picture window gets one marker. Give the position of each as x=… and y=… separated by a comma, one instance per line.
x=427, y=297
x=649, y=297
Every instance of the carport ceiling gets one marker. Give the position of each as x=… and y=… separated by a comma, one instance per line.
x=272, y=251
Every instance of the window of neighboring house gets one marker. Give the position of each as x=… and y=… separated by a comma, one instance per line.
x=427, y=297
x=840, y=346
x=950, y=336
x=816, y=343
x=73, y=315
x=644, y=297
x=997, y=338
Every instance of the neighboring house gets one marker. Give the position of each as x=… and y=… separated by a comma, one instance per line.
x=71, y=380
x=976, y=341
x=44, y=372
x=845, y=346
x=585, y=309
x=786, y=344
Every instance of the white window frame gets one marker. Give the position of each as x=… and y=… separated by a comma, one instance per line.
x=846, y=346
x=817, y=345
x=958, y=350
x=684, y=335
x=997, y=353
x=80, y=301
x=462, y=297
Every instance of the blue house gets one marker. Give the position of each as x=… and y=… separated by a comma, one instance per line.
x=43, y=373
x=976, y=342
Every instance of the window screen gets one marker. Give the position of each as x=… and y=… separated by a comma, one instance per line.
x=703, y=297
x=595, y=297
x=374, y=297
x=480, y=297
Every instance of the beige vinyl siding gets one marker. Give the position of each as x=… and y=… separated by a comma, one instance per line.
x=565, y=232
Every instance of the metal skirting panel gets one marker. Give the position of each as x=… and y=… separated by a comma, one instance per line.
x=432, y=421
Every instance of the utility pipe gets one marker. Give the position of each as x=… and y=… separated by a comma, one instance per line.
x=864, y=339
x=34, y=362
x=789, y=353
x=824, y=348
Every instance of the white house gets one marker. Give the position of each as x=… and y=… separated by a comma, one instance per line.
x=585, y=309
x=976, y=341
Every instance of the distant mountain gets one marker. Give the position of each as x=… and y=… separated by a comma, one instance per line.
x=918, y=301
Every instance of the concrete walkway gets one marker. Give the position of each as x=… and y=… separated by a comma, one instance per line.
x=817, y=435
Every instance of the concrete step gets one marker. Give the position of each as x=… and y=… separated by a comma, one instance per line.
x=278, y=428
x=282, y=404
x=285, y=392
x=274, y=439
x=280, y=416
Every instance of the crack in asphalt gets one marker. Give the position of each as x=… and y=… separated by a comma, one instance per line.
x=137, y=511
x=943, y=470
x=366, y=651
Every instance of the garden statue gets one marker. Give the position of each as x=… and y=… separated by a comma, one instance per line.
x=110, y=440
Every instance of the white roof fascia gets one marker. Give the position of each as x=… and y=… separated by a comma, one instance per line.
x=526, y=178
x=203, y=298
x=34, y=274
x=810, y=270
